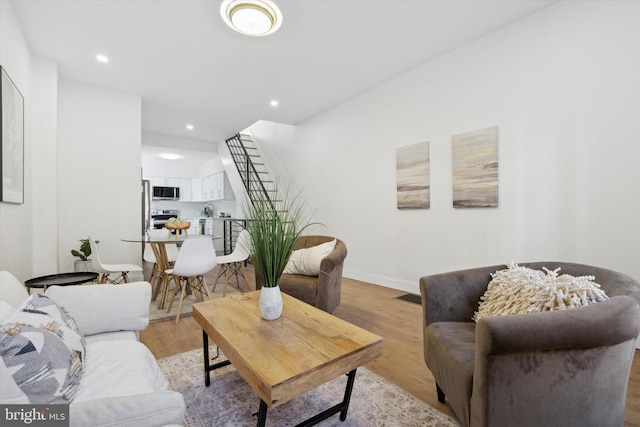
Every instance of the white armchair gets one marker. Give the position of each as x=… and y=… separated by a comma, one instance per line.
x=121, y=383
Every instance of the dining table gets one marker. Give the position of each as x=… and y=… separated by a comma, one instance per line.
x=159, y=248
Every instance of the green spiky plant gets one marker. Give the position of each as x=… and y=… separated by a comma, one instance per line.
x=85, y=250
x=274, y=227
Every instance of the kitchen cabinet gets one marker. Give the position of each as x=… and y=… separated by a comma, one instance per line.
x=185, y=190
x=216, y=187
x=193, y=229
x=196, y=190
x=161, y=181
x=195, y=225
x=207, y=188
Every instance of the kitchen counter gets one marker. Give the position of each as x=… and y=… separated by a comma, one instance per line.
x=226, y=227
x=212, y=217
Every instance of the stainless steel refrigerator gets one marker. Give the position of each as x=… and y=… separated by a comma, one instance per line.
x=146, y=206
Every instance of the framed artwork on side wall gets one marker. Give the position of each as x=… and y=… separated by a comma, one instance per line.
x=11, y=141
x=475, y=168
x=412, y=176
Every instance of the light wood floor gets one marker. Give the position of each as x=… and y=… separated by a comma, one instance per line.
x=376, y=309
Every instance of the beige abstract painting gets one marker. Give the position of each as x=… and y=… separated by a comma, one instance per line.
x=412, y=176
x=475, y=169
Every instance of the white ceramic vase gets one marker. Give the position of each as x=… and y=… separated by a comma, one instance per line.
x=270, y=303
x=82, y=266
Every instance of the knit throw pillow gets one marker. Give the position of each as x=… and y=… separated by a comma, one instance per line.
x=43, y=351
x=521, y=290
x=307, y=261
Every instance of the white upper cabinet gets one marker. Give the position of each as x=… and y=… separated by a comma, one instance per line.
x=196, y=190
x=185, y=190
x=161, y=181
x=207, y=188
x=217, y=187
x=210, y=188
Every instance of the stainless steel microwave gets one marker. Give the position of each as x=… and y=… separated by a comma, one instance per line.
x=166, y=193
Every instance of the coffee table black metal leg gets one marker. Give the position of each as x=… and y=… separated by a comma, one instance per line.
x=262, y=414
x=208, y=367
x=205, y=346
x=351, y=377
x=341, y=407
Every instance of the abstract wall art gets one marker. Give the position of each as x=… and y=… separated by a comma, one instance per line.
x=11, y=141
x=475, y=168
x=412, y=176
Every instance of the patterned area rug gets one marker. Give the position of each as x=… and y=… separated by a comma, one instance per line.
x=156, y=315
x=229, y=401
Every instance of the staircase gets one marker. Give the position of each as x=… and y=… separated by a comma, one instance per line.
x=257, y=181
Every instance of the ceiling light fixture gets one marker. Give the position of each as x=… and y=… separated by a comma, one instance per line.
x=251, y=17
x=274, y=103
x=189, y=127
x=102, y=58
x=170, y=156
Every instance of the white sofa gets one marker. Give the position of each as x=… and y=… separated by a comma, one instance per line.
x=122, y=384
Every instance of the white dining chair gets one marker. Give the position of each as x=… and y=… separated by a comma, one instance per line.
x=233, y=264
x=196, y=257
x=149, y=256
x=104, y=270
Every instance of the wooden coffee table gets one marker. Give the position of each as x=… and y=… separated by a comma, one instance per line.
x=284, y=358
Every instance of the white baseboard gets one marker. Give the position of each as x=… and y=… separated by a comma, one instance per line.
x=389, y=282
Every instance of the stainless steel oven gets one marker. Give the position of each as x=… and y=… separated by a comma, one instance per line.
x=160, y=217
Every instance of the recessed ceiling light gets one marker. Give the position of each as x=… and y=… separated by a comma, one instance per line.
x=251, y=17
x=170, y=156
x=274, y=103
x=189, y=127
x=102, y=58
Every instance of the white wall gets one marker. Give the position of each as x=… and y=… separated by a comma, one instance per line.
x=99, y=191
x=154, y=165
x=45, y=167
x=61, y=186
x=563, y=88
x=16, y=252
x=210, y=167
x=194, y=154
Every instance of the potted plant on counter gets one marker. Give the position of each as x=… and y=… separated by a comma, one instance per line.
x=274, y=224
x=84, y=263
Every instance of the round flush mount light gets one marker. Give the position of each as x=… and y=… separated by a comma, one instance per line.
x=189, y=127
x=102, y=58
x=251, y=17
x=170, y=156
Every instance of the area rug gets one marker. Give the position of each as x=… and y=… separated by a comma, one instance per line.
x=229, y=401
x=157, y=315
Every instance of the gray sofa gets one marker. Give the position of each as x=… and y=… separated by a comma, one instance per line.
x=324, y=290
x=559, y=368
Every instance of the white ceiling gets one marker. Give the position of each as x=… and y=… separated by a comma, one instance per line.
x=188, y=67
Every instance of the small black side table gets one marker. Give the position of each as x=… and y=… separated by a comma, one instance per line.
x=62, y=279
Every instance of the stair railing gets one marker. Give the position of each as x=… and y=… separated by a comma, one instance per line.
x=249, y=175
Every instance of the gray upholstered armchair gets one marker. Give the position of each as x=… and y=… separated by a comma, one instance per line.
x=324, y=290
x=565, y=367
